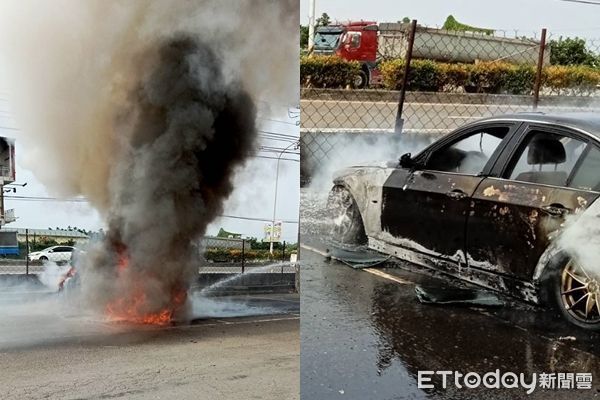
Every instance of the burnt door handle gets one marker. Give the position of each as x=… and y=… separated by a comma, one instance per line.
x=555, y=210
x=456, y=194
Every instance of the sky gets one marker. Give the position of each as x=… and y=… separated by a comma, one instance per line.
x=525, y=16
x=253, y=196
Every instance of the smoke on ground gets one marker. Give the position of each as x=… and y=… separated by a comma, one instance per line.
x=325, y=153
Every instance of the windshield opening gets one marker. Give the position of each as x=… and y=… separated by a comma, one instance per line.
x=327, y=40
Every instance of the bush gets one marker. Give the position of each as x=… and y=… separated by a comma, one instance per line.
x=484, y=77
x=488, y=76
x=580, y=78
x=454, y=75
x=235, y=255
x=327, y=72
x=424, y=75
x=519, y=79
x=391, y=73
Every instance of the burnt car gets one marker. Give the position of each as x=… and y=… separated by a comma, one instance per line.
x=488, y=204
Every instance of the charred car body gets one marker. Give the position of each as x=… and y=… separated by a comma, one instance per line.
x=487, y=203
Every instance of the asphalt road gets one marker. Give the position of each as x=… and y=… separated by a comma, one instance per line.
x=243, y=347
x=365, y=336
x=361, y=115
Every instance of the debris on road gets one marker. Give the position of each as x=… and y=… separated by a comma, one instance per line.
x=358, y=257
x=439, y=295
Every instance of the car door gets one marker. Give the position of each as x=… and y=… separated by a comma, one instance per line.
x=426, y=209
x=52, y=254
x=544, y=175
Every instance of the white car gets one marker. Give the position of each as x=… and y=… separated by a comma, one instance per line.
x=54, y=253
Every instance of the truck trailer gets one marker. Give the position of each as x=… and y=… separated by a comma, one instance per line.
x=370, y=43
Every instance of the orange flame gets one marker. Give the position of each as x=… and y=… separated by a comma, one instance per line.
x=133, y=306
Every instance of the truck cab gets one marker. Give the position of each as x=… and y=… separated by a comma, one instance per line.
x=352, y=41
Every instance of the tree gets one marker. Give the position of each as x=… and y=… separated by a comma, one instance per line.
x=451, y=24
x=406, y=20
x=572, y=51
x=303, y=37
x=323, y=20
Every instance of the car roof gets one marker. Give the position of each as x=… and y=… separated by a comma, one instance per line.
x=585, y=121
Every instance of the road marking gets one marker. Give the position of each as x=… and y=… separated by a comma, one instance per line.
x=373, y=271
x=384, y=275
x=315, y=250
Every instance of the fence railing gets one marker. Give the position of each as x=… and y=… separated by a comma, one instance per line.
x=216, y=255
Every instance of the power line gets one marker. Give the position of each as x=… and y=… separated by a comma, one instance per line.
x=275, y=158
x=82, y=200
x=297, y=123
x=258, y=219
x=596, y=3
x=279, y=134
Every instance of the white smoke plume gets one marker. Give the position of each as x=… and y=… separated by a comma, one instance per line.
x=146, y=108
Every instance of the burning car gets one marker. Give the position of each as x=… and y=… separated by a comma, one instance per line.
x=488, y=203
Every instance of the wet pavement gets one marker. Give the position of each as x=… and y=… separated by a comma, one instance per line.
x=33, y=316
x=365, y=336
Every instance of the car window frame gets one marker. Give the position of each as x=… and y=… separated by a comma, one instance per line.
x=591, y=144
x=510, y=152
x=462, y=133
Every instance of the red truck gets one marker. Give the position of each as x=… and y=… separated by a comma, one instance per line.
x=369, y=42
x=353, y=41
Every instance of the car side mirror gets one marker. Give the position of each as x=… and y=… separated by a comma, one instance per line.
x=50, y=251
x=406, y=161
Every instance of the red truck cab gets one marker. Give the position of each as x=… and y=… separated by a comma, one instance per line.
x=352, y=41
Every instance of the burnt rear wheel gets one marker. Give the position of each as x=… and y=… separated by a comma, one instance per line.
x=574, y=291
x=346, y=222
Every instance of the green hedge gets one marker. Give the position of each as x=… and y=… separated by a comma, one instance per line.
x=487, y=77
x=433, y=76
x=327, y=72
x=235, y=255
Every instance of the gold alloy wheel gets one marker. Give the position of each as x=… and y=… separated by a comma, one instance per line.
x=580, y=293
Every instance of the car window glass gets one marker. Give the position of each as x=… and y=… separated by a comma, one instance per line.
x=355, y=40
x=545, y=158
x=587, y=177
x=470, y=154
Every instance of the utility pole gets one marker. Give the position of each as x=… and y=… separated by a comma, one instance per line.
x=275, y=198
x=311, y=25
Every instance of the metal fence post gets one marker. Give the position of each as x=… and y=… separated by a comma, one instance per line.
x=407, y=59
x=243, y=254
x=282, y=256
x=26, y=251
x=538, y=74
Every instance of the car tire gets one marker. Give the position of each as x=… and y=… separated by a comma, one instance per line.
x=564, y=288
x=43, y=258
x=346, y=222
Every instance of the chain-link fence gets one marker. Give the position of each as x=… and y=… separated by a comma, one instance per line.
x=217, y=256
x=453, y=77
x=232, y=255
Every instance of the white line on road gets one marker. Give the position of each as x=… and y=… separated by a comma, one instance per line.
x=384, y=275
x=315, y=250
x=373, y=271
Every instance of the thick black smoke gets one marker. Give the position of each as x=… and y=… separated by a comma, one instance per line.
x=186, y=130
